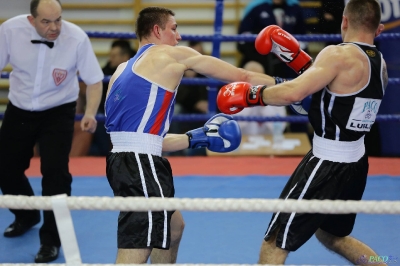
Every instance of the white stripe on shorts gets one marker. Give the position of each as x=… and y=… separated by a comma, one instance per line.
x=165, y=231
x=146, y=194
x=303, y=192
x=276, y=216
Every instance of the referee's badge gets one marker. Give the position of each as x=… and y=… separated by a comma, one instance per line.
x=59, y=75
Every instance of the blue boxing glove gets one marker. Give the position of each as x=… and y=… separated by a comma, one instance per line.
x=302, y=107
x=220, y=134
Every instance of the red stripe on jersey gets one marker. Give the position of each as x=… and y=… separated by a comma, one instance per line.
x=162, y=113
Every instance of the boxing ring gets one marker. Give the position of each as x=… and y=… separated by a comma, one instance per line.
x=205, y=204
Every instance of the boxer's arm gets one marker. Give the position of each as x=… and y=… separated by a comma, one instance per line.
x=219, y=134
x=216, y=68
x=385, y=74
x=325, y=68
x=175, y=142
x=301, y=107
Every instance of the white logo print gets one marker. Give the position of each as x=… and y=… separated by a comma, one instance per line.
x=229, y=90
x=363, y=115
x=285, y=54
x=284, y=35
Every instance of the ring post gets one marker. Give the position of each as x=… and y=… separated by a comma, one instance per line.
x=216, y=48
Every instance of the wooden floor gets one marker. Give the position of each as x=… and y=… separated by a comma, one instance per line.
x=221, y=166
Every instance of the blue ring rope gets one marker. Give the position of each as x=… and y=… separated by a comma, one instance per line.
x=236, y=38
x=290, y=118
x=202, y=81
x=205, y=117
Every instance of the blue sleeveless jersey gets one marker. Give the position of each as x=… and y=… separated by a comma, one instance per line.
x=136, y=104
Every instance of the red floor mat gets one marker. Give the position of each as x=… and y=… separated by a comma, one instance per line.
x=224, y=166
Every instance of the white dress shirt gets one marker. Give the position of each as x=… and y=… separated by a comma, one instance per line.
x=43, y=78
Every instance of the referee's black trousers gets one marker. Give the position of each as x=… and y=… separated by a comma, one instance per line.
x=52, y=129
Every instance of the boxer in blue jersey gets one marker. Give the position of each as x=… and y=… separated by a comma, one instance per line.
x=138, y=108
x=347, y=83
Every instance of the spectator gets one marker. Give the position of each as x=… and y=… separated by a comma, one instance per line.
x=45, y=53
x=99, y=143
x=261, y=13
x=330, y=17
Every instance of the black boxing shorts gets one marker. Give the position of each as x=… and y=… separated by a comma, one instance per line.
x=141, y=175
x=319, y=179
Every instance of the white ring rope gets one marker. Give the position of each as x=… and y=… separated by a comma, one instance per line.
x=83, y=264
x=204, y=204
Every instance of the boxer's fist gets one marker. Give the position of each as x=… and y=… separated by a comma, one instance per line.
x=264, y=42
x=284, y=46
x=233, y=97
x=220, y=134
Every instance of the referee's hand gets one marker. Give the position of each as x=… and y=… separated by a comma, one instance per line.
x=88, y=124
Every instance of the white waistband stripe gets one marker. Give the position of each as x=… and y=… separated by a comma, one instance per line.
x=136, y=142
x=338, y=151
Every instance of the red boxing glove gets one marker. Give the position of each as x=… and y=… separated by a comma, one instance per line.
x=285, y=46
x=234, y=97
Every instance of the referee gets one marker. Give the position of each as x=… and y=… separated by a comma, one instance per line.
x=45, y=53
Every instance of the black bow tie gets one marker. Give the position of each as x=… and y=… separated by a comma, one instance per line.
x=49, y=44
